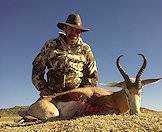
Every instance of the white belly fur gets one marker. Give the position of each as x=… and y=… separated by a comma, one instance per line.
x=67, y=110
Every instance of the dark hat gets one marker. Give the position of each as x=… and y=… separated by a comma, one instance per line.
x=73, y=20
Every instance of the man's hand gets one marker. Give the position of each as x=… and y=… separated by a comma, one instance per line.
x=45, y=92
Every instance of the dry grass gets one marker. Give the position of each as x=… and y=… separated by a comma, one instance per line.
x=148, y=121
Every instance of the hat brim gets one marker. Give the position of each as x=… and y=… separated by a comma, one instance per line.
x=61, y=26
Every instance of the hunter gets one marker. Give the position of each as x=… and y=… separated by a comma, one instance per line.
x=67, y=61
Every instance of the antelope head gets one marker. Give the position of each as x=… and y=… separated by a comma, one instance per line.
x=133, y=86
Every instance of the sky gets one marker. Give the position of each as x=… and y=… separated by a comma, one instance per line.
x=117, y=27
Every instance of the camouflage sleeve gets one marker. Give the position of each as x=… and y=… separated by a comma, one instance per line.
x=39, y=66
x=90, y=76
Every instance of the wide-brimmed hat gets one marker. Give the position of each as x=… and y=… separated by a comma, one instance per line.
x=73, y=20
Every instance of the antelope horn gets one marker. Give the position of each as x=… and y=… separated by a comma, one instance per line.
x=123, y=73
x=140, y=72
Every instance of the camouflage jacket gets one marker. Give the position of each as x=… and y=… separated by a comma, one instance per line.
x=67, y=67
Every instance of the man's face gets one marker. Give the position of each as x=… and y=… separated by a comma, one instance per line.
x=72, y=34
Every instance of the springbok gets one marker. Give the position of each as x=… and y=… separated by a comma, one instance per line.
x=93, y=100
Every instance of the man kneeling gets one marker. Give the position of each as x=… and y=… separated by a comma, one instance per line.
x=70, y=64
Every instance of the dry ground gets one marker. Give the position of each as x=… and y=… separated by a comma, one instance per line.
x=148, y=121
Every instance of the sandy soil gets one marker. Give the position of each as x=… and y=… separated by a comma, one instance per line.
x=148, y=121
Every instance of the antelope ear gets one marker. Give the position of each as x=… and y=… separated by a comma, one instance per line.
x=148, y=81
x=115, y=84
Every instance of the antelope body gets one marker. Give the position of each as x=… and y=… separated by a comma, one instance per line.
x=92, y=100
x=127, y=99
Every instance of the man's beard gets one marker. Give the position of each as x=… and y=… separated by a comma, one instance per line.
x=72, y=39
